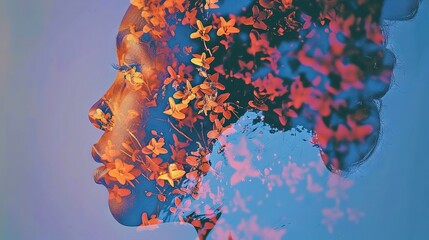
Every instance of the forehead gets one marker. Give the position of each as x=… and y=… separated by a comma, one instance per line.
x=119, y=37
x=132, y=18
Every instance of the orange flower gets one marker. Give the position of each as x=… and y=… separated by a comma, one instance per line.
x=138, y=3
x=175, y=109
x=199, y=160
x=146, y=222
x=122, y=172
x=172, y=174
x=155, y=147
x=211, y=83
x=206, y=104
x=259, y=102
x=101, y=116
x=190, y=17
x=191, y=118
x=202, y=32
x=226, y=28
x=258, y=18
x=133, y=76
x=189, y=94
x=225, y=108
x=211, y=4
x=202, y=60
x=118, y=193
x=154, y=14
x=172, y=5
x=217, y=129
x=178, y=77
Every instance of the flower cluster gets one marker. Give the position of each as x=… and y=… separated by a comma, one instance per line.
x=235, y=64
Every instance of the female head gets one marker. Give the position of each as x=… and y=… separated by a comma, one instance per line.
x=188, y=70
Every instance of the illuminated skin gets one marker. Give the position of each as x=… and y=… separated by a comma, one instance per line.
x=185, y=77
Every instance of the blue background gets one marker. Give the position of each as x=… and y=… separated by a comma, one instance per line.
x=55, y=59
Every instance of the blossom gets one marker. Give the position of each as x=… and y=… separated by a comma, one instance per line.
x=259, y=102
x=146, y=222
x=189, y=94
x=178, y=77
x=206, y=104
x=222, y=107
x=172, y=5
x=211, y=4
x=202, y=60
x=257, y=19
x=198, y=159
x=217, y=129
x=133, y=76
x=172, y=174
x=117, y=193
x=202, y=32
x=101, y=116
x=284, y=112
x=122, y=172
x=211, y=83
x=138, y=3
x=190, y=17
x=226, y=28
x=175, y=109
x=155, y=147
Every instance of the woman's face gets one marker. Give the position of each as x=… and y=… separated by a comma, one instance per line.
x=124, y=114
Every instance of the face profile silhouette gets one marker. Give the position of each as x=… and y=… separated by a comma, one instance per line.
x=197, y=78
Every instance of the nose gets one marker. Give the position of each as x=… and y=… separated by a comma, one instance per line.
x=100, y=115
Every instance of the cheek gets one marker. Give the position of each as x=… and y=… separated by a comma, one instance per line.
x=132, y=113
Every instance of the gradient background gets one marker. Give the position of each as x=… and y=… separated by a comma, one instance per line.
x=55, y=59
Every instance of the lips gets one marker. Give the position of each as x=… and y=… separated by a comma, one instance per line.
x=95, y=154
x=99, y=173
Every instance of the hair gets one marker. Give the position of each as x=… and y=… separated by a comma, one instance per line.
x=321, y=65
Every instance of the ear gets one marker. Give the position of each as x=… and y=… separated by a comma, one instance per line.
x=400, y=9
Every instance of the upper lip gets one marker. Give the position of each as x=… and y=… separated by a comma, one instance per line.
x=100, y=171
x=95, y=153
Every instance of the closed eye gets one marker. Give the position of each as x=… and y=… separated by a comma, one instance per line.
x=126, y=67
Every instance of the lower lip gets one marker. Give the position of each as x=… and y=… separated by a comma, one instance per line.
x=99, y=174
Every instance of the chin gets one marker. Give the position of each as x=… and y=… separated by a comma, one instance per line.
x=129, y=211
x=124, y=212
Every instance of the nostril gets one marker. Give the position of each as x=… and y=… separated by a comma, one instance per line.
x=100, y=115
